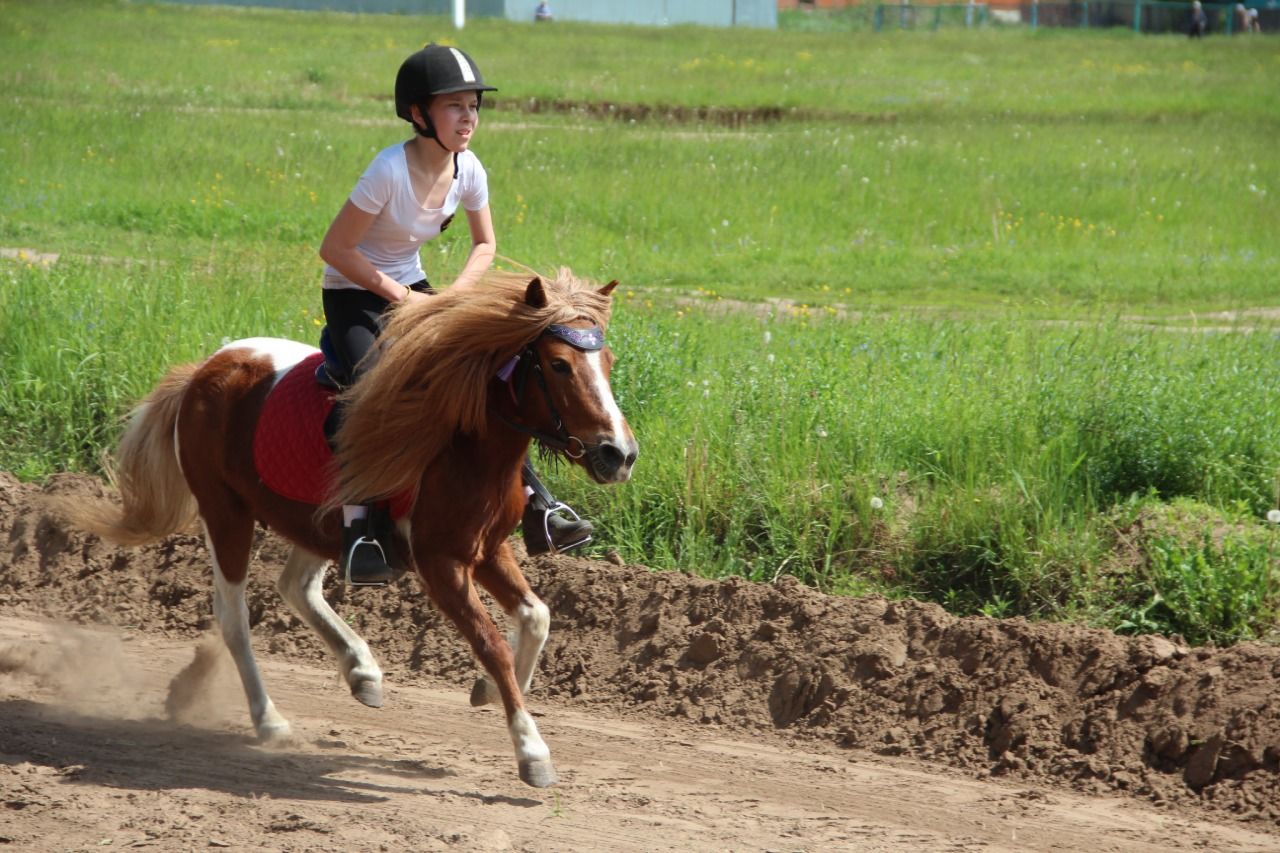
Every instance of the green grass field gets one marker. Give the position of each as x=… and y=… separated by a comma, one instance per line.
x=990, y=318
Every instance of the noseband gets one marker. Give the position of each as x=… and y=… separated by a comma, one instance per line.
x=516, y=372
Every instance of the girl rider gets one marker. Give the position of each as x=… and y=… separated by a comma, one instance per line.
x=407, y=196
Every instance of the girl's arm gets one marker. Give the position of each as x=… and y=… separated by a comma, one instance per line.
x=339, y=251
x=483, y=246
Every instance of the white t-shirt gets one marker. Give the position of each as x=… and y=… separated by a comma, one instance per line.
x=402, y=225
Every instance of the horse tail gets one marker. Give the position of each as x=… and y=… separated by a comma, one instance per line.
x=155, y=498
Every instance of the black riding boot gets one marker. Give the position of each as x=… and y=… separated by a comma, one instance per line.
x=548, y=525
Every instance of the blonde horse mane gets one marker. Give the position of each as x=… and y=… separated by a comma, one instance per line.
x=435, y=360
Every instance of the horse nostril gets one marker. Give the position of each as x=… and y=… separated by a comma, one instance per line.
x=611, y=456
x=630, y=460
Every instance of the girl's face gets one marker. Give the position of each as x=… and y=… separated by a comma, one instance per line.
x=455, y=117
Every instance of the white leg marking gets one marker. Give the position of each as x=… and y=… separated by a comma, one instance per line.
x=233, y=618
x=524, y=736
x=534, y=623
x=301, y=585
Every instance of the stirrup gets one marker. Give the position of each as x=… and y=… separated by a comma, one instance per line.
x=378, y=573
x=573, y=518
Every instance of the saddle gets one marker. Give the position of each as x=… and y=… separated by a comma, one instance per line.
x=290, y=450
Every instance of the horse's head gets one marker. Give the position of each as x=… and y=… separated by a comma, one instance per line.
x=560, y=387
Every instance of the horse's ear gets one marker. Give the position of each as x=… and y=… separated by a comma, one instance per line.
x=608, y=288
x=534, y=295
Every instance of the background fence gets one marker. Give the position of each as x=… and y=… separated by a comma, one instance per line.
x=1146, y=16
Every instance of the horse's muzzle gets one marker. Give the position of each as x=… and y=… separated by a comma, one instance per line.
x=611, y=460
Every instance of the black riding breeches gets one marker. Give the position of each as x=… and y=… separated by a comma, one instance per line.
x=355, y=319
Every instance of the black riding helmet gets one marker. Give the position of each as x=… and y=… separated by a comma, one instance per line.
x=435, y=70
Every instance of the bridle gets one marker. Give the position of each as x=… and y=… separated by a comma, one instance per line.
x=516, y=372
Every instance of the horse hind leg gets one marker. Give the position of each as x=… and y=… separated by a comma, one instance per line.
x=301, y=585
x=229, y=543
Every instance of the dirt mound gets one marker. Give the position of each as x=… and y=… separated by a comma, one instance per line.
x=1189, y=728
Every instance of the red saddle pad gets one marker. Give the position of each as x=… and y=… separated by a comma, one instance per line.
x=289, y=448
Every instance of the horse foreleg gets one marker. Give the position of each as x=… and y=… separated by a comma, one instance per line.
x=501, y=576
x=229, y=550
x=301, y=585
x=450, y=586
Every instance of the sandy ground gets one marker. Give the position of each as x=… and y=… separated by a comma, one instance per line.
x=682, y=714
x=90, y=760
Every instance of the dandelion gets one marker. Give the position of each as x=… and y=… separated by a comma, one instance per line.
x=1273, y=516
x=768, y=336
x=877, y=503
x=821, y=431
x=769, y=358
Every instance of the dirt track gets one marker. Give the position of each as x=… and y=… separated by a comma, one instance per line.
x=682, y=714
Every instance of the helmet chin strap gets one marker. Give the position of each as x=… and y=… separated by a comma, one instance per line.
x=429, y=132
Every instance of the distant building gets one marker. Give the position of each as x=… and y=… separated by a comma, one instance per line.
x=656, y=13
x=817, y=4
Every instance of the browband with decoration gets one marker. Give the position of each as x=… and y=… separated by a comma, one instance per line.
x=587, y=340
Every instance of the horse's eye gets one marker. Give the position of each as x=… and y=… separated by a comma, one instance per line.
x=559, y=365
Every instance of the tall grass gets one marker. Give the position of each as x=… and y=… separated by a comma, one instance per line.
x=923, y=334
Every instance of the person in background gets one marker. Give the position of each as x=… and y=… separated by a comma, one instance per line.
x=1242, y=18
x=1199, y=21
x=542, y=12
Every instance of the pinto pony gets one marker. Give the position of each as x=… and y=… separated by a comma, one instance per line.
x=462, y=383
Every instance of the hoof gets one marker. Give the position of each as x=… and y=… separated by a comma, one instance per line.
x=368, y=692
x=275, y=733
x=483, y=694
x=539, y=774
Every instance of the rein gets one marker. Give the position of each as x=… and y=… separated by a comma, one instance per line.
x=515, y=373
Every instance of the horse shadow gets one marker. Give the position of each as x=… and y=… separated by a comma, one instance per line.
x=158, y=755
